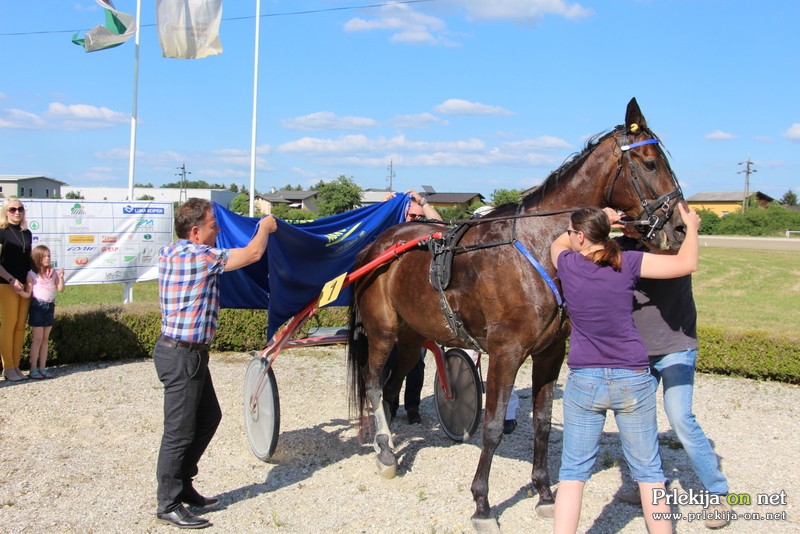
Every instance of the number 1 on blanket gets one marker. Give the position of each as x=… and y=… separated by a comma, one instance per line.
x=331, y=290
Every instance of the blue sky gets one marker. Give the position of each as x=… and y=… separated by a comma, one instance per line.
x=461, y=95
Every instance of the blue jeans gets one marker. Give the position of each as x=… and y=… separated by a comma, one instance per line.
x=677, y=372
x=631, y=395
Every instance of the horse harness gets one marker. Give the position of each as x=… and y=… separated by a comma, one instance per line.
x=647, y=222
x=444, y=249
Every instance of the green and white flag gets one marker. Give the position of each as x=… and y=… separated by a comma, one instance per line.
x=119, y=27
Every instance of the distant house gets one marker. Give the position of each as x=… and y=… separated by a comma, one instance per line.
x=453, y=200
x=27, y=186
x=223, y=197
x=295, y=199
x=373, y=196
x=723, y=203
x=437, y=200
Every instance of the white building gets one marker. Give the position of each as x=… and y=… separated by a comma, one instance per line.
x=29, y=186
x=222, y=197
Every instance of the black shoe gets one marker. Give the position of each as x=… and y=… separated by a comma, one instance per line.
x=182, y=518
x=509, y=425
x=192, y=498
x=414, y=417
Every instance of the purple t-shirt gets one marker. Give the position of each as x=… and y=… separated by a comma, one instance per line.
x=600, y=304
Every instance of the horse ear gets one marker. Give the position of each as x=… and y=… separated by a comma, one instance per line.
x=634, y=120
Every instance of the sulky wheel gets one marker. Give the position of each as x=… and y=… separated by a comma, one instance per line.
x=262, y=410
x=460, y=415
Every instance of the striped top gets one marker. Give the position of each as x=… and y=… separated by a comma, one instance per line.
x=188, y=289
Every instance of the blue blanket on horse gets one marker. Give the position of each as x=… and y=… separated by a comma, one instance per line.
x=300, y=259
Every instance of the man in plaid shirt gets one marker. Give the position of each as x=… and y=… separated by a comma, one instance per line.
x=188, y=287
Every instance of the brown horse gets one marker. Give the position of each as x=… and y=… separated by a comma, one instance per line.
x=508, y=308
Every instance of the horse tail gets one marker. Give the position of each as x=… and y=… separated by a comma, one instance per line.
x=357, y=358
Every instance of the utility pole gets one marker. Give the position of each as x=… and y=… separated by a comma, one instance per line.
x=747, y=171
x=390, y=177
x=182, y=196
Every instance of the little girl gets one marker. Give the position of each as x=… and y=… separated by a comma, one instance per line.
x=41, y=286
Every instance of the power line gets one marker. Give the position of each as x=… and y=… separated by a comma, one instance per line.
x=284, y=14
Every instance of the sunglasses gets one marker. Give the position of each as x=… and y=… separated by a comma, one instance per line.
x=15, y=209
x=415, y=216
x=570, y=231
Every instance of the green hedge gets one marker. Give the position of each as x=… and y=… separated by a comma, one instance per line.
x=751, y=354
x=92, y=333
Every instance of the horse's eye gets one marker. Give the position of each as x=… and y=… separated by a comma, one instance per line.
x=650, y=165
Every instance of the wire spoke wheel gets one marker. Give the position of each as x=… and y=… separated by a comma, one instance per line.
x=262, y=412
x=460, y=415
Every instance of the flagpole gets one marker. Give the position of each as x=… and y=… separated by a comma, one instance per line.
x=127, y=290
x=255, y=110
x=134, y=111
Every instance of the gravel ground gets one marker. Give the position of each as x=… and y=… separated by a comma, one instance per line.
x=79, y=455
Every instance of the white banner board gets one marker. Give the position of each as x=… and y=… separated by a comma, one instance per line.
x=101, y=242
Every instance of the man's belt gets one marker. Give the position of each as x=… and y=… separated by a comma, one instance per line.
x=167, y=341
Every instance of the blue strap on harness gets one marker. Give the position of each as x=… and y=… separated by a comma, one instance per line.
x=640, y=143
x=541, y=270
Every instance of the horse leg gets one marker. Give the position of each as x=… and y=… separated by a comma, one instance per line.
x=545, y=373
x=499, y=379
x=384, y=447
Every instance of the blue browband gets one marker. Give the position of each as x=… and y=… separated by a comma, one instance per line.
x=640, y=143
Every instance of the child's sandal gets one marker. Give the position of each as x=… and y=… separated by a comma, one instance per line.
x=44, y=374
x=36, y=374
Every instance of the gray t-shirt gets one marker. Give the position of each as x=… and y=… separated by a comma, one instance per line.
x=664, y=311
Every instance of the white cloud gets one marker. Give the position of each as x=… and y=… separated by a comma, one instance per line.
x=326, y=120
x=359, y=150
x=522, y=11
x=545, y=142
x=359, y=144
x=86, y=112
x=458, y=106
x=719, y=135
x=406, y=25
x=793, y=133
x=19, y=119
x=63, y=117
x=418, y=120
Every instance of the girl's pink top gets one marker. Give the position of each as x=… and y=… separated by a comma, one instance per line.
x=44, y=288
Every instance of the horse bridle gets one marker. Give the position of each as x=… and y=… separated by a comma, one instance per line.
x=649, y=221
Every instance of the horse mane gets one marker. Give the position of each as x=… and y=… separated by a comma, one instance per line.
x=571, y=162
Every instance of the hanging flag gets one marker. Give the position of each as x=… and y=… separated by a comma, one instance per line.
x=119, y=28
x=189, y=29
x=300, y=259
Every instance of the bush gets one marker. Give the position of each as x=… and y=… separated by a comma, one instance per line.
x=773, y=220
x=751, y=354
x=84, y=333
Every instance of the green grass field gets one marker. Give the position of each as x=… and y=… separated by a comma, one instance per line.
x=744, y=290
x=735, y=289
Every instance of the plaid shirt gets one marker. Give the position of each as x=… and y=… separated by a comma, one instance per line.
x=188, y=289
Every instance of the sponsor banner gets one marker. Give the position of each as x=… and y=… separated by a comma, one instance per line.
x=101, y=242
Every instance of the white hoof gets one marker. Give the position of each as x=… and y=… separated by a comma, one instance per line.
x=485, y=526
x=386, y=471
x=546, y=511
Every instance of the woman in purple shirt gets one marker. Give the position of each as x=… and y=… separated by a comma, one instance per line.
x=608, y=362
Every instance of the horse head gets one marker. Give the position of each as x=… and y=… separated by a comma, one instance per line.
x=644, y=186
